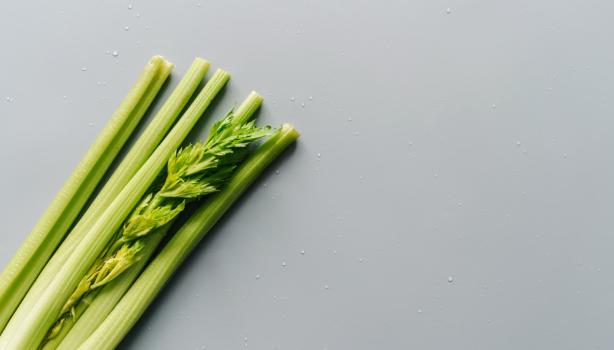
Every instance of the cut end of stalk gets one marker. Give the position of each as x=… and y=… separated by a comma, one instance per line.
x=169, y=65
x=248, y=108
x=222, y=74
x=290, y=130
x=157, y=59
x=219, y=78
x=256, y=97
x=202, y=61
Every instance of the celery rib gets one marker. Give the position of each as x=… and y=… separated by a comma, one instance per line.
x=30, y=333
x=133, y=160
x=47, y=234
x=132, y=305
x=93, y=313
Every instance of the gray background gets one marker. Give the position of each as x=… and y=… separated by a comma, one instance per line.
x=472, y=143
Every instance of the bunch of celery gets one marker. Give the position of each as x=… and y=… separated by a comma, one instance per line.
x=85, y=275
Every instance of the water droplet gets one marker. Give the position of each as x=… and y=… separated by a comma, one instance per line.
x=460, y=204
x=129, y=6
x=493, y=106
x=356, y=133
x=291, y=99
x=115, y=53
x=564, y=155
x=450, y=279
x=310, y=98
x=303, y=104
x=64, y=96
x=436, y=175
x=257, y=276
x=90, y=124
x=349, y=119
x=302, y=251
x=127, y=28
x=334, y=252
x=108, y=52
x=319, y=155
x=283, y=264
x=517, y=143
x=326, y=286
x=277, y=172
x=83, y=69
x=448, y=10
x=360, y=260
x=419, y=311
x=199, y=4
x=245, y=339
x=138, y=15
x=9, y=99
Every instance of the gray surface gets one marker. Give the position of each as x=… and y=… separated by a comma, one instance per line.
x=479, y=147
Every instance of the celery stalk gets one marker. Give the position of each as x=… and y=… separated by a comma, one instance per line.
x=138, y=154
x=130, y=308
x=30, y=333
x=47, y=234
x=94, y=310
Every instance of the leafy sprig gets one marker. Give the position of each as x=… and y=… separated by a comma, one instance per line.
x=192, y=172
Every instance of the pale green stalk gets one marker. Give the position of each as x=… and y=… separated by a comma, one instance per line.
x=35, y=325
x=102, y=304
x=130, y=308
x=138, y=154
x=49, y=231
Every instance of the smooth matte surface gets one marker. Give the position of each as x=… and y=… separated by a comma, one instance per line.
x=468, y=141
